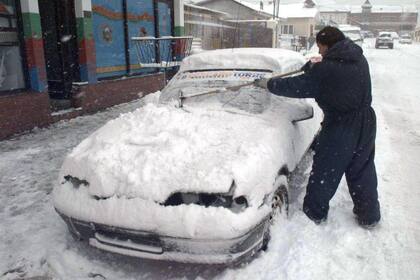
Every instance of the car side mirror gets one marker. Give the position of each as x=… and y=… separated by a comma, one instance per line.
x=303, y=114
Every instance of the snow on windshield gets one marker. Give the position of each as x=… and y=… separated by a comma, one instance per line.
x=249, y=98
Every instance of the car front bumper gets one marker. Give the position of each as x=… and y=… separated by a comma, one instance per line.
x=152, y=246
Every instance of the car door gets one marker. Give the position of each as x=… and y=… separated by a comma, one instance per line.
x=305, y=126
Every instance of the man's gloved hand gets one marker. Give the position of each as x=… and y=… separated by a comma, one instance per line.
x=307, y=67
x=262, y=83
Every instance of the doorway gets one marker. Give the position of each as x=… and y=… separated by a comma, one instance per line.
x=58, y=22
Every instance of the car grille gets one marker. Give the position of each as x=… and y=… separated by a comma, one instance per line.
x=138, y=238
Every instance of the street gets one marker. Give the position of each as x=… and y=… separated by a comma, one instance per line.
x=34, y=241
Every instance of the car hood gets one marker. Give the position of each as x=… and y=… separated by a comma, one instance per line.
x=156, y=151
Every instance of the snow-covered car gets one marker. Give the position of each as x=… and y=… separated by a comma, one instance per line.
x=192, y=183
x=355, y=37
x=384, y=39
x=405, y=39
x=352, y=32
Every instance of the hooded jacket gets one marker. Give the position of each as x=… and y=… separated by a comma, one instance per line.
x=340, y=84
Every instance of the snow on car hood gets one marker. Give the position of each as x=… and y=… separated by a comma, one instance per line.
x=159, y=150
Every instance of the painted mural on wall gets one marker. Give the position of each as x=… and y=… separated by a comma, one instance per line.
x=108, y=32
x=140, y=24
x=108, y=25
x=165, y=28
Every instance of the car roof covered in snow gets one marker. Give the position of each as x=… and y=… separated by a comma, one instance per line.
x=275, y=60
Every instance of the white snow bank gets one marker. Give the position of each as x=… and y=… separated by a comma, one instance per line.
x=276, y=60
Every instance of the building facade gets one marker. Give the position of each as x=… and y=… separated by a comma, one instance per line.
x=377, y=18
x=77, y=55
x=217, y=29
x=237, y=10
x=334, y=15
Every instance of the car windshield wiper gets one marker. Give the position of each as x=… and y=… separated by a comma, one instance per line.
x=182, y=97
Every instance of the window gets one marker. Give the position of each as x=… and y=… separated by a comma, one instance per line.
x=116, y=22
x=287, y=29
x=11, y=70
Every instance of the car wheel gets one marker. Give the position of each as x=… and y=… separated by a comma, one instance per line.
x=280, y=203
x=280, y=207
x=391, y=47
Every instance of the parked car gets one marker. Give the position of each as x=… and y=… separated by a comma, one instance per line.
x=384, y=39
x=354, y=33
x=406, y=39
x=367, y=34
x=193, y=176
x=355, y=37
x=394, y=35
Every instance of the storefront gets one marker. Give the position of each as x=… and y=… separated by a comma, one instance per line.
x=12, y=75
x=76, y=55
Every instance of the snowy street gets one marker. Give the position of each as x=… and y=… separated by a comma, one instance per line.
x=35, y=242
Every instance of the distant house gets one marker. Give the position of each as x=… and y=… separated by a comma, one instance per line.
x=334, y=14
x=299, y=18
x=208, y=25
x=252, y=27
x=238, y=10
x=295, y=19
x=377, y=18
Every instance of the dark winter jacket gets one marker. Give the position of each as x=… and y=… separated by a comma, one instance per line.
x=340, y=84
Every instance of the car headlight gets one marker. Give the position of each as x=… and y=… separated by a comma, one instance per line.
x=76, y=182
x=225, y=200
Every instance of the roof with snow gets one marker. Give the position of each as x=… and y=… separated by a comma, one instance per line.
x=251, y=6
x=334, y=9
x=297, y=10
x=387, y=9
x=367, y=5
x=205, y=9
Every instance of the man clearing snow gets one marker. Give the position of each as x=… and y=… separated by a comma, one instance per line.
x=341, y=86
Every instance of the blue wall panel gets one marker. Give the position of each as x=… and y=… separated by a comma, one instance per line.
x=165, y=28
x=108, y=30
x=140, y=23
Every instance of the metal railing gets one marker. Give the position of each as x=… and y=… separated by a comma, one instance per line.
x=164, y=52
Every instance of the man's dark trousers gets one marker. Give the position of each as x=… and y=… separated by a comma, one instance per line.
x=345, y=145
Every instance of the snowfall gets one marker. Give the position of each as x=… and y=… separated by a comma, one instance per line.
x=34, y=241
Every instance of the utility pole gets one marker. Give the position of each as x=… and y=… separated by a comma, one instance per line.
x=276, y=8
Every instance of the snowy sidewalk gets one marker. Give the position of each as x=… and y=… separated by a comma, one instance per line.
x=35, y=242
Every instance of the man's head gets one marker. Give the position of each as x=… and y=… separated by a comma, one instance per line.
x=328, y=37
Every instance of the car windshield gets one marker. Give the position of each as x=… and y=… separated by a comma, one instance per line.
x=193, y=84
x=406, y=37
x=385, y=35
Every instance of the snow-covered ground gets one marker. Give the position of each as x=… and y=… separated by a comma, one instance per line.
x=35, y=242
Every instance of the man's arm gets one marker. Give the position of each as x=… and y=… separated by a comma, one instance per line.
x=302, y=86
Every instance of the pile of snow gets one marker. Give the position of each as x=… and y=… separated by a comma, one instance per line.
x=276, y=60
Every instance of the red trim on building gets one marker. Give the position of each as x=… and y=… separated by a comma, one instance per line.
x=23, y=111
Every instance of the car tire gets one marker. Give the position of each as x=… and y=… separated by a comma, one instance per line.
x=391, y=47
x=280, y=206
x=280, y=201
